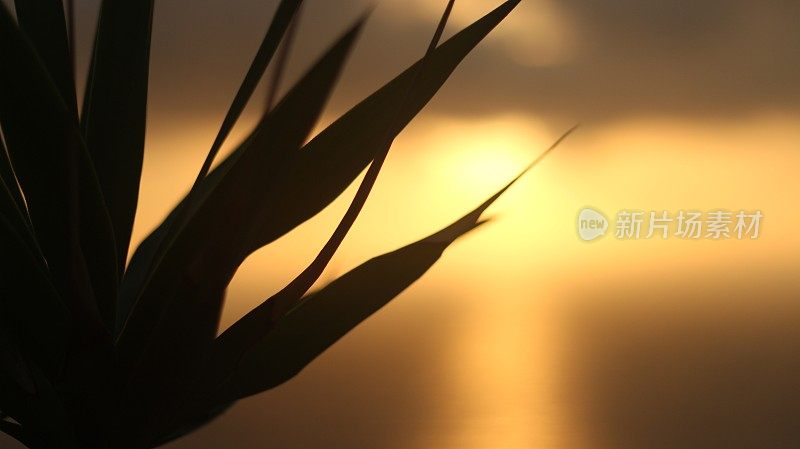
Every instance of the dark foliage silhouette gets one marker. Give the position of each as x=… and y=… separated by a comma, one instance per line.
x=97, y=353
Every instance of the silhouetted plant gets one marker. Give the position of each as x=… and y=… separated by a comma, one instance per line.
x=97, y=354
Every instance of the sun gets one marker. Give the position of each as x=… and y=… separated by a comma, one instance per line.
x=480, y=156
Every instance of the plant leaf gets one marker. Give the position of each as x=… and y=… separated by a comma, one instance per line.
x=31, y=302
x=10, y=179
x=277, y=29
x=115, y=109
x=36, y=124
x=301, y=284
x=192, y=423
x=236, y=200
x=327, y=315
x=57, y=177
x=258, y=352
x=16, y=432
x=316, y=324
x=44, y=23
x=12, y=205
x=154, y=246
x=18, y=222
x=44, y=422
x=158, y=342
x=17, y=386
x=141, y=263
x=335, y=157
x=12, y=366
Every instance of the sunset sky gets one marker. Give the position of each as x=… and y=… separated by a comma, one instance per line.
x=683, y=105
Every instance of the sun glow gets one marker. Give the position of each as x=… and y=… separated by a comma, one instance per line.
x=481, y=158
x=499, y=366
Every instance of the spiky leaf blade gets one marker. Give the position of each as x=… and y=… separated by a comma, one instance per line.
x=44, y=423
x=209, y=263
x=156, y=243
x=335, y=157
x=158, y=343
x=43, y=21
x=31, y=303
x=19, y=223
x=115, y=109
x=10, y=179
x=56, y=175
x=327, y=315
x=262, y=350
x=277, y=29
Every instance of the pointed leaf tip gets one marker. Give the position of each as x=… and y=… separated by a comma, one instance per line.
x=114, y=114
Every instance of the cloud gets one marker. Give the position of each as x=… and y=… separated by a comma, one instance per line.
x=571, y=60
x=635, y=58
x=537, y=34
